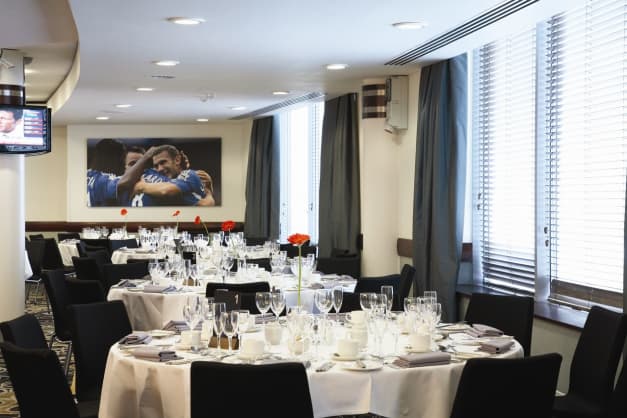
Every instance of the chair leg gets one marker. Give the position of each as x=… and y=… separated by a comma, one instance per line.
x=67, y=358
x=51, y=341
x=28, y=286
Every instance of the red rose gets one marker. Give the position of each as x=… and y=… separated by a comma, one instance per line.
x=227, y=226
x=123, y=211
x=197, y=220
x=298, y=239
x=176, y=213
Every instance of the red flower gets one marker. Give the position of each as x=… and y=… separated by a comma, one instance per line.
x=123, y=211
x=227, y=226
x=298, y=239
x=197, y=220
x=176, y=213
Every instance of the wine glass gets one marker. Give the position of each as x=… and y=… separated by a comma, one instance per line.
x=365, y=301
x=323, y=298
x=218, y=310
x=338, y=297
x=229, y=322
x=431, y=296
x=410, y=304
x=263, y=301
x=277, y=303
x=242, y=325
x=226, y=264
x=388, y=291
x=192, y=311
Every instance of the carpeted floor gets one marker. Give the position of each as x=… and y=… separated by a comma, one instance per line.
x=38, y=307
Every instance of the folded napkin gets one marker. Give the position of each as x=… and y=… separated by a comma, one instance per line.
x=159, y=289
x=125, y=283
x=423, y=359
x=263, y=318
x=496, y=346
x=316, y=286
x=136, y=338
x=155, y=354
x=178, y=326
x=481, y=330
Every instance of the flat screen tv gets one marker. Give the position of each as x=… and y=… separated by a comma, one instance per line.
x=24, y=129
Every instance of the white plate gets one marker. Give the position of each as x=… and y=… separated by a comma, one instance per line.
x=160, y=333
x=248, y=357
x=342, y=358
x=370, y=366
x=454, y=328
x=467, y=352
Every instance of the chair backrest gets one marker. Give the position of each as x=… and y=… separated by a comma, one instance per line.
x=618, y=405
x=84, y=291
x=101, y=243
x=292, y=250
x=512, y=388
x=24, y=331
x=102, y=257
x=116, y=244
x=113, y=273
x=35, y=250
x=408, y=277
x=38, y=382
x=62, y=236
x=95, y=328
x=263, y=263
x=373, y=285
x=596, y=356
x=256, y=240
x=255, y=383
x=52, y=255
x=350, y=302
x=251, y=287
x=87, y=268
x=35, y=236
x=56, y=289
x=349, y=265
x=511, y=314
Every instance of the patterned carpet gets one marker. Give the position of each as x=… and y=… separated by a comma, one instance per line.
x=38, y=307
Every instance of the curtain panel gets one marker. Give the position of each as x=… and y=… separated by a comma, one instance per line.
x=440, y=179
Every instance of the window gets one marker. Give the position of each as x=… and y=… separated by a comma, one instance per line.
x=550, y=125
x=300, y=137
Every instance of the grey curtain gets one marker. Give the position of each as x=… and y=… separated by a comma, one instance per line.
x=440, y=179
x=262, y=180
x=339, y=208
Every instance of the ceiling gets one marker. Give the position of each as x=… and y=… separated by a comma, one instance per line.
x=245, y=50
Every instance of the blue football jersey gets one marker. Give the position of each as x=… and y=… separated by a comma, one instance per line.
x=192, y=189
x=151, y=175
x=101, y=188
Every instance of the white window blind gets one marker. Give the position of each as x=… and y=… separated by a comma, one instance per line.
x=586, y=146
x=503, y=162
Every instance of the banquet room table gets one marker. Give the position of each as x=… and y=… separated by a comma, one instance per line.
x=134, y=387
x=150, y=311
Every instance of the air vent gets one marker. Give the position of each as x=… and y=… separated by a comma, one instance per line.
x=301, y=99
x=493, y=15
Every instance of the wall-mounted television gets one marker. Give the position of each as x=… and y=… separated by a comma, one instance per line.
x=24, y=129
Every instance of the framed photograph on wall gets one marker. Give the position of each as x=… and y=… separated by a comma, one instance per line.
x=179, y=172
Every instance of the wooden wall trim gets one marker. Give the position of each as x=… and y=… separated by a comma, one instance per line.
x=405, y=248
x=61, y=226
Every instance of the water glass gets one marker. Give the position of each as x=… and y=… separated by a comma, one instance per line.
x=338, y=297
x=277, y=303
x=242, y=324
x=263, y=301
x=431, y=296
x=388, y=291
x=323, y=298
x=229, y=322
x=218, y=310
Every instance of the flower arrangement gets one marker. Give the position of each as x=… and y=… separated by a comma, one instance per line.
x=124, y=212
x=298, y=240
x=227, y=226
x=175, y=214
x=199, y=221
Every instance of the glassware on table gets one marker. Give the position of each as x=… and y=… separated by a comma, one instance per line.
x=242, y=324
x=277, y=303
x=388, y=291
x=379, y=325
x=365, y=300
x=229, y=322
x=338, y=297
x=263, y=302
x=218, y=310
x=323, y=298
x=410, y=304
x=431, y=296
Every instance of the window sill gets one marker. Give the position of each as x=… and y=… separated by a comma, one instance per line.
x=548, y=311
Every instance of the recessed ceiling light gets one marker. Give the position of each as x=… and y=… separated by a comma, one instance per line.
x=144, y=89
x=186, y=20
x=102, y=117
x=166, y=63
x=123, y=106
x=202, y=120
x=280, y=92
x=237, y=107
x=334, y=67
x=409, y=25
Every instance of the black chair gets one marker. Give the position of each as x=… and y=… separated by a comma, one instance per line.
x=24, y=331
x=408, y=278
x=102, y=257
x=350, y=302
x=95, y=328
x=256, y=240
x=39, y=385
x=511, y=314
x=594, y=364
x=256, y=384
x=251, y=287
x=54, y=280
x=116, y=244
x=100, y=243
x=87, y=268
x=84, y=291
x=84, y=248
x=263, y=263
x=292, y=250
x=113, y=273
x=35, y=236
x=618, y=406
x=52, y=256
x=35, y=253
x=62, y=236
x=373, y=285
x=348, y=264
x=512, y=388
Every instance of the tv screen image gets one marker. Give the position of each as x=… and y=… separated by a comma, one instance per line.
x=24, y=129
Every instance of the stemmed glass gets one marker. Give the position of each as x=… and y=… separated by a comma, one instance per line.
x=277, y=303
x=226, y=264
x=263, y=302
x=388, y=291
x=338, y=297
x=218, y=310
x=208, y=318
x=365, y=301
x=192, y=312
x=323, y=298
x=242, y=325
x=229, y=322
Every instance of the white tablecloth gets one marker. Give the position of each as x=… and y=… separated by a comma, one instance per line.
x=138, y=388
x=121, y=256
x=68, y=250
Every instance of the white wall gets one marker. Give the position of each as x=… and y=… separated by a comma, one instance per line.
x=235, y=139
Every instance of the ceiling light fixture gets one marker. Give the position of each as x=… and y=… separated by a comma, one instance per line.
x=144, y=89
x=202, y=120
x=409, y=25
x=123, y=106
x=102, y=117
x=166, y=63
x=280, y=92
x=237, y=107
x=335, y=67
x=187, y=21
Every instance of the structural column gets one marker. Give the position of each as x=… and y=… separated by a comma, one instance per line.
x=12, y=223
